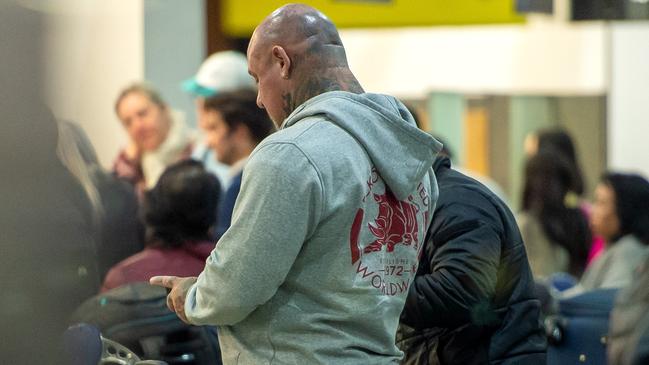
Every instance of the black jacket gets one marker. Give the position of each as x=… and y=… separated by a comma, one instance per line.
x=472, y=300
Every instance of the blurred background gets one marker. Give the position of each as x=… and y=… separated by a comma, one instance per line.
x=482, y=73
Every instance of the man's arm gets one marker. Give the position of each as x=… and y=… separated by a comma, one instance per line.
x=277, y=210
x=462, y=279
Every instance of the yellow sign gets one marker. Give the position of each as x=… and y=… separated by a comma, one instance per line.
x=240, y=17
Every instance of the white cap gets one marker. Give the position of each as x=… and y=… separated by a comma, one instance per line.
x=221, y=72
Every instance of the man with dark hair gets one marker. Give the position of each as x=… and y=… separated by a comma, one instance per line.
x=233, y=126
x=221, y=72
x=331, y=215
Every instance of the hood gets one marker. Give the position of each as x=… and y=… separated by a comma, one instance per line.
x=400, y=151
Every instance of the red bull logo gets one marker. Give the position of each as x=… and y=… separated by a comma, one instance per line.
x=395, y=224
x=398, y=223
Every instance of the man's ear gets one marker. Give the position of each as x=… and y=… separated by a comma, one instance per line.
x=281, y=58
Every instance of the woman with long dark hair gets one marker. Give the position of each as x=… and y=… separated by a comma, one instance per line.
x=554, y=229
x=621, y=216
x=621, y=213
x=557, y=140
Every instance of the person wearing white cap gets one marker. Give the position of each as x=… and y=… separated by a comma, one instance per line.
x=221, y=72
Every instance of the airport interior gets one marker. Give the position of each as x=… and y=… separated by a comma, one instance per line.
x=212, y=182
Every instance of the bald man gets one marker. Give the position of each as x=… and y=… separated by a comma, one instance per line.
x=331, y=216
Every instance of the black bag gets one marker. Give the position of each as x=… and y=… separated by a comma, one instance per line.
x=136, y=316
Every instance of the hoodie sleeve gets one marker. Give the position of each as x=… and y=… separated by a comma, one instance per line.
x=462, y=281
x=277, y=210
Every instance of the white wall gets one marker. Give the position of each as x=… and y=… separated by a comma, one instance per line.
x=539, y=57
x=628, y=106
x=544, y=57
x=174, y=48
x=92, y=50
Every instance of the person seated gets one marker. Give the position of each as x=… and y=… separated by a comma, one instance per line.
x=158, y=136
x=234, y=125
x=221, y=72
x=558, y=140
x=628, y=335
x=555, y=231
x=117, y=231
x=619, y=216
x=179, y=213
x=48, y=259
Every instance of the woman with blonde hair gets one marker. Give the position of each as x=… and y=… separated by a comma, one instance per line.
x=158, y=136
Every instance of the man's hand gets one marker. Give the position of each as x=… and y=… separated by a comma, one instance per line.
x=133, y=151
x=179, y=288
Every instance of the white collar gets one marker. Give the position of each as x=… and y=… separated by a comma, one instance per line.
x=179, y=137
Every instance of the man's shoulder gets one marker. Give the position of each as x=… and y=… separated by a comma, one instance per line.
x=284, y=153
x=462, y=198
x=456, y=188
x=278, y=148
x=306, y=131
x=628, y=247
x=314, y=138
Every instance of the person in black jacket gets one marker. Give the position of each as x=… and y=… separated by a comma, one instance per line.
x=472, y=300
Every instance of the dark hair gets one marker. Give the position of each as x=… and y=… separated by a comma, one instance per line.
x=558, y=140
x=141, y=88
x=182, y=205
x=240, y=107
x=631, y=204
x=547, y=183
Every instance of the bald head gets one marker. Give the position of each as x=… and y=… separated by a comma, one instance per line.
x=303, y=47
x=303, y=31
x=298, y=21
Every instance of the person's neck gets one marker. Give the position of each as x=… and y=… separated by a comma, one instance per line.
x=318, y=82
x=243, y=151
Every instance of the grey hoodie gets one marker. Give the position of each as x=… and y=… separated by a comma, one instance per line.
x=325, y=237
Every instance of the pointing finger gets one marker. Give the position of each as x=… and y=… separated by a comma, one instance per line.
x=166, y=281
